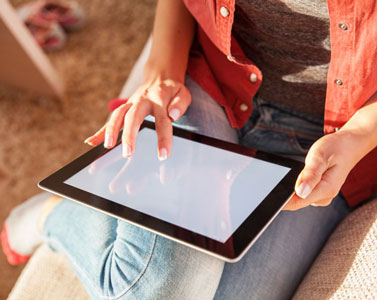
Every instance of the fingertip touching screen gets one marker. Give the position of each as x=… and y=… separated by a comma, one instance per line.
x=201, y=188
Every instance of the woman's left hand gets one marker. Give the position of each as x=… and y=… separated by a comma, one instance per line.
x=333, y=156
x=327, y=165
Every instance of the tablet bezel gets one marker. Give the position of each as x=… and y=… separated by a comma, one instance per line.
x=236, y=245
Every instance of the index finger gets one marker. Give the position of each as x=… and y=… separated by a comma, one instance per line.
x=164, y=129
x=132, y=122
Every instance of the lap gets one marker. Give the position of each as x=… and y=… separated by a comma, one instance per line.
x=119, y=260
x=114, y=258
x=276, y=263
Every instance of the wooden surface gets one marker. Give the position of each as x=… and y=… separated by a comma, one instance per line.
x=22, y=62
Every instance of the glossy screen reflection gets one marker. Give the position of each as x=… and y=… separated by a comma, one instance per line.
x=201, y=188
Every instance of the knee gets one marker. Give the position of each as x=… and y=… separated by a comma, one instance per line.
x=182, y=272
x=164, y=270
x=122, y=264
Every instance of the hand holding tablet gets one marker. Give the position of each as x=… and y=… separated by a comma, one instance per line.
x=212, y=195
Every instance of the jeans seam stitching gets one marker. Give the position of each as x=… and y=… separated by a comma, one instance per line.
x=288, y=110
x=286, y=130
x=82, y=273
x=140, y=275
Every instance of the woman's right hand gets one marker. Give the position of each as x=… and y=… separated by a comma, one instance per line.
x=164, y=98
x=162, y=93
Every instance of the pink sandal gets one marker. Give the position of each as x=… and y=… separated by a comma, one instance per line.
x=47, y=19
x=48, y=34
x=68, y=14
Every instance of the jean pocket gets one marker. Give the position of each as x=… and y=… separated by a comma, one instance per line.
x=276, y=140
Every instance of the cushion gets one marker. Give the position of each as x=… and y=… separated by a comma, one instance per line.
x=48, y=275
x=347, y=266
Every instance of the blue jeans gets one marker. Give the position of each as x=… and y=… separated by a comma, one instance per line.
x=117, y=260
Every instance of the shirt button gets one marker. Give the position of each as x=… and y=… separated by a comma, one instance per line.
x=244, y=107
x=338, y=82
x=224, y=11
x=343, y=26
x=253, y=77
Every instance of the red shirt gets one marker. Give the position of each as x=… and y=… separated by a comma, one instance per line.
x=218, y=64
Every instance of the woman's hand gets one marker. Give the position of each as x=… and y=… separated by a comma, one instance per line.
x=333, y=156
x=165, y=99
x=327, y=165
x=162, y=93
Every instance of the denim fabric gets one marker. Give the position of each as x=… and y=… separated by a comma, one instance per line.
x=276, y=263
x=281, y=130
x=117, y=260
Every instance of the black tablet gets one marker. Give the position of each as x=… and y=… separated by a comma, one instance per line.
x=212, y=195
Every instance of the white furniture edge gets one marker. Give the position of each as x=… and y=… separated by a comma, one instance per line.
x=30, y=47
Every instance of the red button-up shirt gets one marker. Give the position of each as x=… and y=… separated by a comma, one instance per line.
x=218, y=64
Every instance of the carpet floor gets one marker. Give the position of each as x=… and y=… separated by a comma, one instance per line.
x=40, y=134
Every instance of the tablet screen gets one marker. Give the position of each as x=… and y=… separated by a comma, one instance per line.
x=201, y=188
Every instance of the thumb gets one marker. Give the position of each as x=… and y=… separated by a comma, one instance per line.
x=179, y=104
x=310, y=176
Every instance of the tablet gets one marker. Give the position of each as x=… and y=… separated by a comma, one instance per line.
x=212, y=195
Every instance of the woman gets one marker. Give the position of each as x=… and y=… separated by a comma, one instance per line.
x=304, y=78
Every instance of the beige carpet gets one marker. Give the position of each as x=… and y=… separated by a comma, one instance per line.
x=39, y=134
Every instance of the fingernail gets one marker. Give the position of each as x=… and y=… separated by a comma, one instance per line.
x=174, y=114
x=163, y=154
x=87, y=142
x=127, y=151
x=303, y=190
x=108, y=140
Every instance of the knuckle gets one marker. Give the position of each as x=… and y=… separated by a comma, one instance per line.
x=163, y=118
x=138, y=119
x=144, y=110
x=331, y=189
x=159, y=90
x=133, y=113
x=120, y=108
x=140, y=101
x=110, y=128
x=163, y=122
x=169, y=83
x=316, y=154
x=162, y=85
x=128, y=136
x=184, y=99
x=163, y=140
x=128, y=133
x=312, y=173
x=137, y=105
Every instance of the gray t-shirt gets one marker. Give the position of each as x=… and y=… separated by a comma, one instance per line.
x=289, y=41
